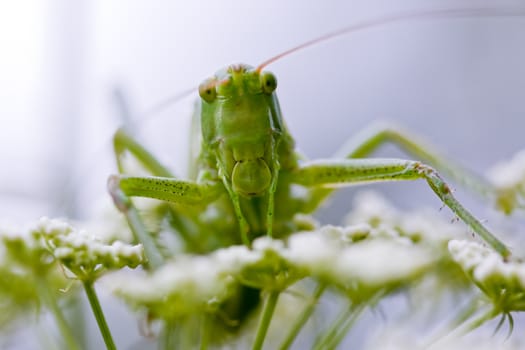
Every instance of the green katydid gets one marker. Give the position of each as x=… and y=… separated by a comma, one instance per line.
x=248, y=165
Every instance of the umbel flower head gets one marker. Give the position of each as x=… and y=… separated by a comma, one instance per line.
x=509, y=178
x=198, y=284
x=26, y=266
x=419, y=226
x=503, y=282
x=85, y=255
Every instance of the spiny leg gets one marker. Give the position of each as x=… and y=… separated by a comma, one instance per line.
x=243, y=224
x=123, y=187
x=345, y=172
x=122, y=143
x=271, y=192
x=369, y=140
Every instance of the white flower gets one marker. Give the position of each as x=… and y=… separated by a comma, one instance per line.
x=372, y=263
x=419, y=226
x=83, y=253
x=234, y=258
x=381, y=262
x=312, y=251
x=502, y=281
x=509, y=180
x=511, y=173
x=10, y=233
x=182, y=287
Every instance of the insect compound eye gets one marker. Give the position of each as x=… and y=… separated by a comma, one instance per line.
x=268, y=82
x=207, y=90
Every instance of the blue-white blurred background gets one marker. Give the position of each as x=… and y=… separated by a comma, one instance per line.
x=459, y=83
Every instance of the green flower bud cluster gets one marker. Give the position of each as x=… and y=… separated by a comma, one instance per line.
x=84, y=254
x=503, y=282
x=28, y=273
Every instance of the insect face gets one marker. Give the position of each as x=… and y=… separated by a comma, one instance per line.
x=238, y=126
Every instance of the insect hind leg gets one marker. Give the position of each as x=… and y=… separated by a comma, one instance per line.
x=366, y=142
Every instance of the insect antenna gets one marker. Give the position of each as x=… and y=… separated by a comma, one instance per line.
x=401, y=17
x=168, y=101
x=364, y=25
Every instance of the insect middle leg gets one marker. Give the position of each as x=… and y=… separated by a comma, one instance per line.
x=346, y=172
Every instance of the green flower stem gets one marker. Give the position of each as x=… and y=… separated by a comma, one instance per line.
x=305, y=315
x=345, y=328
x=477, y=322
x=324, y=340
x=169, y=336
x=62, y=324
x=204, y=333
x=460, y=319
x=99, y=314
x=265, y=320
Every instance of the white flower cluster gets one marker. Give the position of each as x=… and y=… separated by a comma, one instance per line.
x=502, y=281
x=194, y=283
x=509, y=179
x=20, y=246
x=417, y=226
x=510, y=174
x=27, y=271
x=11, y=233
x=84, y=253
x=369, y=264
x=184, y=287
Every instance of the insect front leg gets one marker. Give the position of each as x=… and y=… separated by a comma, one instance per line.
x=136, y=187
x=346, y=172
x=123, y=142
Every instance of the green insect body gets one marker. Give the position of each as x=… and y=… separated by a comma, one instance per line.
x=242, y=132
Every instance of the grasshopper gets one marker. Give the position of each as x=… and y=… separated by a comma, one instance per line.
x=249, y=179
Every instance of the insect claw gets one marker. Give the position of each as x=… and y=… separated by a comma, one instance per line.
x=122, y=202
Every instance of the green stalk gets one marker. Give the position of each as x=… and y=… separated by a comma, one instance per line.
x=265, y=320
x=345, y=328
x=169, y=335
x=305, y=315
x=141, y=235
x=99, y=314
x=323, y=341
x=204, y=333
x=459, y=320
x=477, y=322
x=62, y=324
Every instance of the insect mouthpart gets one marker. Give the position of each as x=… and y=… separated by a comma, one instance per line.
x=251, y=177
